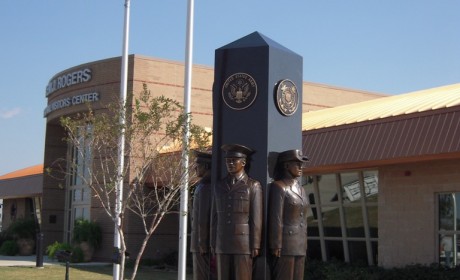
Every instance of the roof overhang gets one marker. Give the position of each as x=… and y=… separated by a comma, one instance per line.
x=428, y=135
x=20, y=187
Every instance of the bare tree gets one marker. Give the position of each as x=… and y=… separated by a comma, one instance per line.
x=153, y=172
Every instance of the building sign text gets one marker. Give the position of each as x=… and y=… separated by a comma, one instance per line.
x=69, y=79
x=70, y=101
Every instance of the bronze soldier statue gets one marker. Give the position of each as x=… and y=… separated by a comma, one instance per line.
x=201, y=214
x=237, y=211
x=287, y=219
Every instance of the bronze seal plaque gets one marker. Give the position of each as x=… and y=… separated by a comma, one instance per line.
x=287, y=97
x=239, y=91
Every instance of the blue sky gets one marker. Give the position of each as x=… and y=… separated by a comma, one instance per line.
x=389, y=46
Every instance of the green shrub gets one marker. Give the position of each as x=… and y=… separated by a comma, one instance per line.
x=5, y=236
x=9, y=248
x=331, y=270
x=87, y=231
x=56, y=246
x=22, y=228
x=150, y=262
x=77, y=254
x=171, y=258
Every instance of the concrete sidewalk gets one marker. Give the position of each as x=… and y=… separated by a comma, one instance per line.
x=32, y=261
x=24, y=261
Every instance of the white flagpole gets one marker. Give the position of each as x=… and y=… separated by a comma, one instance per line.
x=121, y=140
x=183, y=217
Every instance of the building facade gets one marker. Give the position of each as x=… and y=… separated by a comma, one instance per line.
x=383, y=179
x=98, y=83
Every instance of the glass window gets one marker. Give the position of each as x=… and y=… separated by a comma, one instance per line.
x=312, y=229
x=77, y=213
x=327, y=185
x=358, y=252
x=308, y=185
x=354, y=221
x=79, y=193
x=449, y=230
x=86, y=195
x=313, y=213
x=81, y=213
x=350, y=187
x=372, y=213
x=314, y=250
x=371, y=185
x=446, y=248
x=375, y=250
x=81, y=157
x=334, y=250
x=331, y=221
x=342, y=201
x=447, y=212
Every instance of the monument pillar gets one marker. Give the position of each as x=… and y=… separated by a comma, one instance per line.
x=257, y=102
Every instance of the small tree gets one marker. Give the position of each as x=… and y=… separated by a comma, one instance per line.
x=153, y=172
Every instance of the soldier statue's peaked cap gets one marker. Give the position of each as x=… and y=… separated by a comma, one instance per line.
x=202, y=157
x=236, y=151
x=292, y=155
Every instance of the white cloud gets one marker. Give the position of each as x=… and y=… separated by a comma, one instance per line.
x=9, y=113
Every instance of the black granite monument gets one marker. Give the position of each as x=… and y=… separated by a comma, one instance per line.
x=257, y=102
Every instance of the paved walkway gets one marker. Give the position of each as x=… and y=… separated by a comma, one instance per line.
x=24, y=261
x=32, y=261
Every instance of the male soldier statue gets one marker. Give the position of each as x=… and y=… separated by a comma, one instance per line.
x=287, y=219
x=201, y=213
x=236, y=217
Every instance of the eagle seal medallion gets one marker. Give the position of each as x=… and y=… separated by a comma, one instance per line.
x=287, y=97
x=239, y=91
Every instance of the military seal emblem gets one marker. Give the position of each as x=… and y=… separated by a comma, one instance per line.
x=239, y=91
x=287, y=97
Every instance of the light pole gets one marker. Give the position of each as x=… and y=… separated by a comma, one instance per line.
x=184, y=187
x=121, y=144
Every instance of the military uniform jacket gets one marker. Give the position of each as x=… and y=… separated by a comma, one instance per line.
x=201, y=215
x=287, y=219
x=237, y=211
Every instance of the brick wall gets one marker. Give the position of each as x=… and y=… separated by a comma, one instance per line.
x=407, y=210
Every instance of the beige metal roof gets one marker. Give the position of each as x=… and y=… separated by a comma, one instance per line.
x=418, y=101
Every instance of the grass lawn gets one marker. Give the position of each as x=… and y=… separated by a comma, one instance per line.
x=57, y=272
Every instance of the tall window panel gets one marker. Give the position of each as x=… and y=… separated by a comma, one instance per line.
x=344, y=211
x=449, y=228
x=78, y=191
